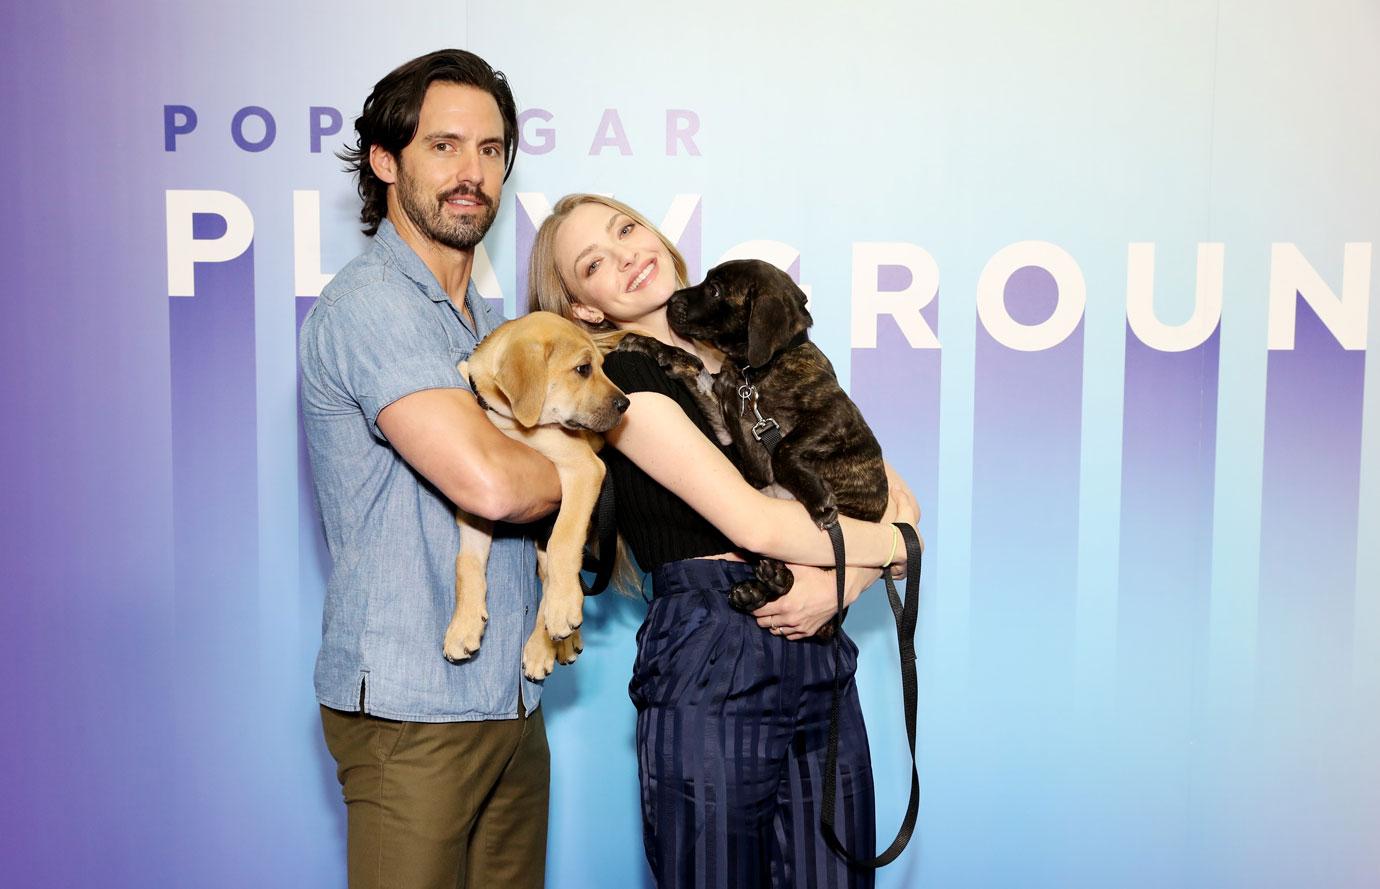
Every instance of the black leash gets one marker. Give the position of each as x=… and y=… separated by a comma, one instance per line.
x=600, y=563
x=907, y=614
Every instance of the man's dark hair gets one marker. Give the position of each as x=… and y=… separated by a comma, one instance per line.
x=389, y=119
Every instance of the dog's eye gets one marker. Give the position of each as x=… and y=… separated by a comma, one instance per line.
x=584, y=370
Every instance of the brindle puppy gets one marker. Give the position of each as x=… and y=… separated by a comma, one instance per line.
x=828, y=458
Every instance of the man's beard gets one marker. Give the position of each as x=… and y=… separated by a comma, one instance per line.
x=428, y=213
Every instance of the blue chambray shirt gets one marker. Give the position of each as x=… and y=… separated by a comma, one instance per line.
x=383, y=328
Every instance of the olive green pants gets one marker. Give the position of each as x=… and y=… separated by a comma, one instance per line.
x=445, y=805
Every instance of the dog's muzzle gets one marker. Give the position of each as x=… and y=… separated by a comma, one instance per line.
x=602, y=420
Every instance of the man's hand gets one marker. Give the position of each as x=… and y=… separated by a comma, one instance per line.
x=812, y=600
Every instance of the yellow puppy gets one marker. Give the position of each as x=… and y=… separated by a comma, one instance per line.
x=540, y=378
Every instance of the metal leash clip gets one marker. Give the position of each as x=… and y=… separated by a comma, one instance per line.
x=747, y=393
x=763, y=426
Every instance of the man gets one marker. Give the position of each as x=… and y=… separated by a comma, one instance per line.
x=444, y=766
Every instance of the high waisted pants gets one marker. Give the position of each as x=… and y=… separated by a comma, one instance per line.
x=732, y=727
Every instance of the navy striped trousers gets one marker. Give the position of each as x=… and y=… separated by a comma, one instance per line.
x=732, y=724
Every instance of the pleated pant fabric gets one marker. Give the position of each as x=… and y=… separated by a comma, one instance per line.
x=732, y=729
x=442, y=805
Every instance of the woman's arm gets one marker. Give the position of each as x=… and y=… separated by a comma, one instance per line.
x=900, y=500
x=656, y=435
x=813, y=598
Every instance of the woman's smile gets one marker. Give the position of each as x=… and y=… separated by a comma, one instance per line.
x=647, y=273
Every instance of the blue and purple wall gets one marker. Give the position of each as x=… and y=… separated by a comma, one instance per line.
x=1098, y=275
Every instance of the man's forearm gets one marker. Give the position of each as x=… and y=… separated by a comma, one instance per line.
x=529, y=489
x=442, y=434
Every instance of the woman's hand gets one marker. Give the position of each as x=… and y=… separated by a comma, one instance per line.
x=812, y=600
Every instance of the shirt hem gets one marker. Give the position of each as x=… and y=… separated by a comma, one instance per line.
x=388, y=713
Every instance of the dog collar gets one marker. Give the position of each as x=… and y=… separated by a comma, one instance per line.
x=479, y=399
x=798, y=340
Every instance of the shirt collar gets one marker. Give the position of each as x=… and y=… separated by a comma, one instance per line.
x=411, y=265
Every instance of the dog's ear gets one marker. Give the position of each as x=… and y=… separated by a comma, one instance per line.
x=778, y=314
x=521, y=377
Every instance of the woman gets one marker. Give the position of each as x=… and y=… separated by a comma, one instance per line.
x=733, y=713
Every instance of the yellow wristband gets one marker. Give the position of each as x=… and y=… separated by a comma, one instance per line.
x=895, y=539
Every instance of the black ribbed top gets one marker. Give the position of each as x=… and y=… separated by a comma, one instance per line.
x=657, y=525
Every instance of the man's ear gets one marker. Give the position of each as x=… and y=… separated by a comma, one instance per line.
x=775, y=320
x=521, y=377
x=383, y=163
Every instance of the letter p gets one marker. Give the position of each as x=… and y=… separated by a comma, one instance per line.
x=178, y=120
x=185, y=250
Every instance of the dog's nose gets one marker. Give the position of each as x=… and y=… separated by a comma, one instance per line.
x=621, y=403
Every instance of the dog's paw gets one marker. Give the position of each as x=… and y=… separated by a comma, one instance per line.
x=539, y=655
x=563, y=611
x=676, y=362
x=748, y=596
x=682, y=366
x=463, y=635
x=826, y=512
x=775, y=576
x=569, y=648
x=641, y=344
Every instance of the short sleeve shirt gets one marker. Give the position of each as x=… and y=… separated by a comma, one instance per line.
x=382, y=329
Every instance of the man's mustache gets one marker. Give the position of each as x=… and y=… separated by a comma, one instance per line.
x=473, y=194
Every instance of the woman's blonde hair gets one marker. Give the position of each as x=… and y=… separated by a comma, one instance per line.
x=546, y=287
x=548, y=291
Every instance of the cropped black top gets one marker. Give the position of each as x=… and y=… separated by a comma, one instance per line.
x=656, y=524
